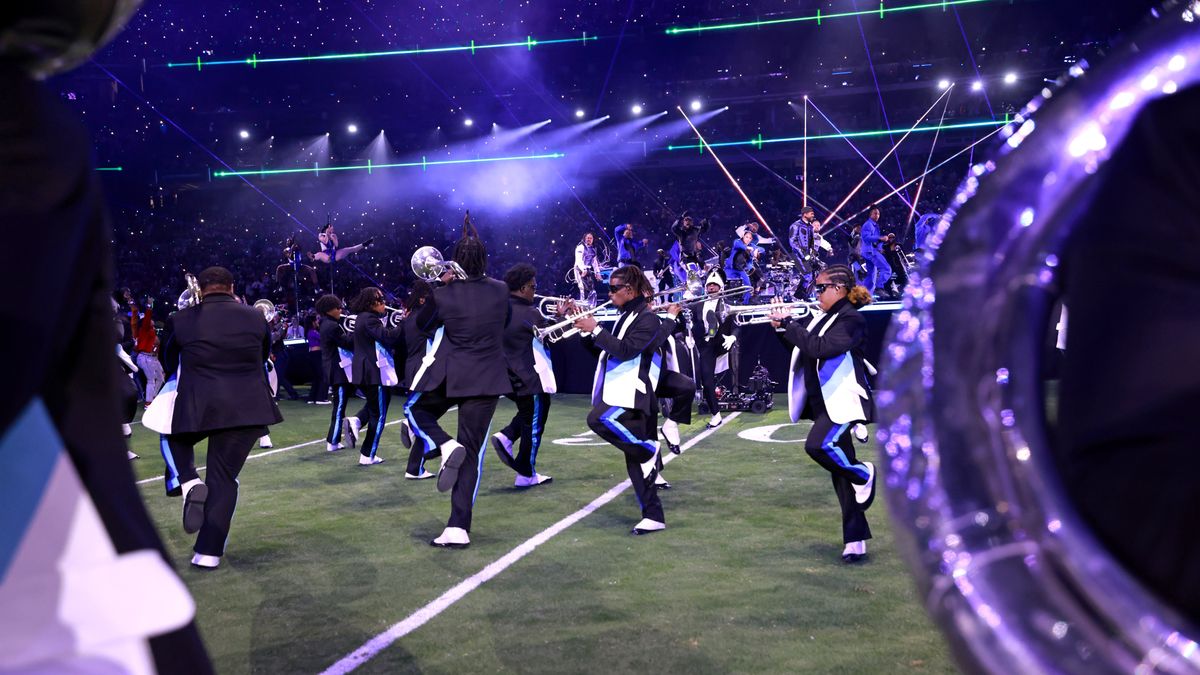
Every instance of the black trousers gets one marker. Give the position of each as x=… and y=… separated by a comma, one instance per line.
x=678, y=408
x=831, y=446
x=227, y=452
x=706, y=363
x=378, y=400
x=527, y=426
x=633, y=432
x=474, y=422
x=428, y=436
x=342, y=393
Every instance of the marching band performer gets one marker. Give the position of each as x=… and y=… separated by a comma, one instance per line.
x=741, y=259
x=828, y=384
x=418, y=345
x=465, y=368
x=587, y=268
x=625, y=408
x=218, y=347
x=337, y=360
x=713, y=337
x=374, y=367
x=532, y=377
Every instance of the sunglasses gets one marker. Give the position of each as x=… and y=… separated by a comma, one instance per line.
x=616, y=288
x=820, y=288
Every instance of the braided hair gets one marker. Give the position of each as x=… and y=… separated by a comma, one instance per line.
x=469, y=252
x=842, y=276
x=365, y=299
x=632, y=276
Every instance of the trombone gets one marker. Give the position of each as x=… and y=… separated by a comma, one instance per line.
x=725, y=293
x=566, y=327
x=750, y=315
x=428, y=264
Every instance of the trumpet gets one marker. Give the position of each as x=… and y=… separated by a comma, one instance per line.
x=428, y=264
x=391, y=318
x=749, y=315
x=726, y=293
x=548, y=305
x=566, y=327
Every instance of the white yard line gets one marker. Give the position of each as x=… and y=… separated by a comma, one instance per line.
x=262, y=454
x=418, y=618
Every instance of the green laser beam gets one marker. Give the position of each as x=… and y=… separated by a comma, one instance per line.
x=254, y=61
x=109, y=168
x=819, y=17
x=370, y=168
x=759, y=141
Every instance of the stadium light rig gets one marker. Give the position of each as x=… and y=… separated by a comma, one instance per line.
x=370, y=167
x=759, y=141
x=880, y=11
x=254, y=61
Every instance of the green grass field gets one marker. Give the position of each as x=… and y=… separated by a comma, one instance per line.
x=324, y=555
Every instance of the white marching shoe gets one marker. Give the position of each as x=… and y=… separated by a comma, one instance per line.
x=452, y=537
x=195, y=494
x=208, y=562
x=863, y=494
x=670, y=431
x=646, y=526
x=854, y=551
x=333, y=447
x=364, y=460
x=265, y=442
x=424, y=475
x=859, y=431
x=353, y=431
x=650, y=465
x=714, y=421
x=453, y=455
x=503, y=447
x=406, y=434
x=126, y=430
x=131, y=455
x=530, y=481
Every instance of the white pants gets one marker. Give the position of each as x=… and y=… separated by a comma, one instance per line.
x=152, y=369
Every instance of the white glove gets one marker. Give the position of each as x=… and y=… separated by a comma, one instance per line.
x=727, y=341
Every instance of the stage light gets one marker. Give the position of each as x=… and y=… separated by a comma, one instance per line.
x=352, y=128
x=881, y=11
x=579, y=113
x=424, y=164
x=943, y=84
x=695, y=105
x=1010, y=78
x=254, y=61
x=636, y=109
x=244, y=134
x=468, y=122
x=977, y=86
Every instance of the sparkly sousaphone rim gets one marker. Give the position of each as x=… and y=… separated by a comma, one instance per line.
x=1002, y=560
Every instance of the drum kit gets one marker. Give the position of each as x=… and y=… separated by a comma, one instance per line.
x=780, y=280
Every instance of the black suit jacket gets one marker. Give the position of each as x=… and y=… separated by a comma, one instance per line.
x=470, y=356
x=518, y=345
x=333, y=337
x=643, y=337
x=369, y=329
x=221, y=347
x=415, y=342
x=818, y=354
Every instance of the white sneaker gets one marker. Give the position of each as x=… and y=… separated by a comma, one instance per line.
x=326, y=402
x=206, y=561
x=131, y=455
x=265, y=442
x=646, y=526
x=860, y=432
x=864, y=493
x=453, y=456
x=670, y=431
x=714, y=421
x=126, y=430
x=333, y=447
x=854, y=551
x=363, y=460
x=530, y=481
x=353, y=430
x=424, y=474
x=452, y=537
x=406, y=435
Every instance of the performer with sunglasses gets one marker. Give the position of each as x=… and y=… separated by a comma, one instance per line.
x=828, y=384
x=625, y=411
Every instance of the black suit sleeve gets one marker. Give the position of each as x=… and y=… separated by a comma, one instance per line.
x=385, y=336
x=849, y=332
x=170, y=348
x=266, y=350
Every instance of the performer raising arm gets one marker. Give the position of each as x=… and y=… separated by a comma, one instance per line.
x=625, y=411
x=828, y=384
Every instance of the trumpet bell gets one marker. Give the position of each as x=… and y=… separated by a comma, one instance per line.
x=190, y=295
